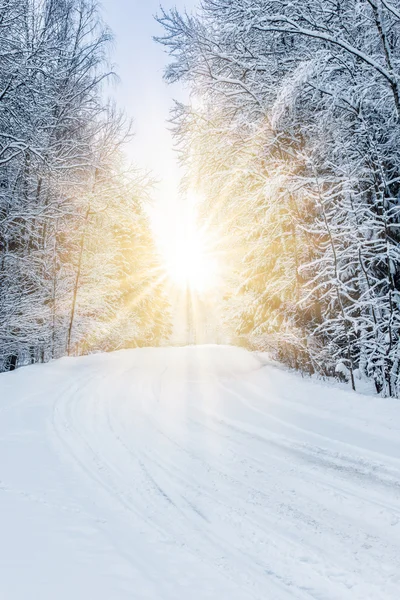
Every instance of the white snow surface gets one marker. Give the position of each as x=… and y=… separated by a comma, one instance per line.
x=194, y=473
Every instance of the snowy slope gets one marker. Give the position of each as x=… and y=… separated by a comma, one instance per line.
x=193, y=474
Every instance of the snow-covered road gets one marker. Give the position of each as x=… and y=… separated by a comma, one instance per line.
x=191, y=474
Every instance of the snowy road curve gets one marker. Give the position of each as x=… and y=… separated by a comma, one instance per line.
x=193, y=474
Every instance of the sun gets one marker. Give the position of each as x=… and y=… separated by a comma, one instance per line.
x=190, y=263
x=188, y=247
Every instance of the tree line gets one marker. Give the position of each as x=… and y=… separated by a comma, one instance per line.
x=292, y=136
x=78, y=267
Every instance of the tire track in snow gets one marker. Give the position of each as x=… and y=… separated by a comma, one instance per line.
x=200, y=466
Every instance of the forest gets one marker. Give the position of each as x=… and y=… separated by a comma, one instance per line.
x=78, y=269
x=292, y=137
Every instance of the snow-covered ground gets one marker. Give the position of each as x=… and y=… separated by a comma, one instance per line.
x=192, y=474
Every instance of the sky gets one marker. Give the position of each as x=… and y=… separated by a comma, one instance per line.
x=141, y=91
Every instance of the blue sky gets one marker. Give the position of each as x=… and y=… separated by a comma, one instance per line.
x=141, y=91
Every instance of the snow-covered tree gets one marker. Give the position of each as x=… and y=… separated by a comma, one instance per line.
x=64, y=191
x=292, y=134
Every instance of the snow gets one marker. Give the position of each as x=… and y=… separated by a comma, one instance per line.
x=199, y=472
